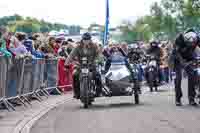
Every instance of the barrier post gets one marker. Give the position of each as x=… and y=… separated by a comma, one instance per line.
x=38, y=77
x=51, y=75
x=18, y=70
x=4, y=63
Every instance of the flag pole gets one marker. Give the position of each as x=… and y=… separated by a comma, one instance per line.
x=106, y=30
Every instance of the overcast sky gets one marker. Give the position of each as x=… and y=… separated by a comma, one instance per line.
x=82, y=12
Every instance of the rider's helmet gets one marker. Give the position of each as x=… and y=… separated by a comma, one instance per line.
x=190, y=37
x=86, y=36
x=154, y=43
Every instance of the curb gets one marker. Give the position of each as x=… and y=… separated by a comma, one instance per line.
x=26, y=125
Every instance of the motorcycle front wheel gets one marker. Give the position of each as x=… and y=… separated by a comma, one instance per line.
x=84, y=93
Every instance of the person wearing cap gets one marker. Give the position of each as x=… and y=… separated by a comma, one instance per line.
x=183, y=53
x=85, y=48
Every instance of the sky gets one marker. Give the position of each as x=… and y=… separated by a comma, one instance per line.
x=77, y=12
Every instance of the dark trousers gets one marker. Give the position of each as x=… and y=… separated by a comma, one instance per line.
x=191, y=84
x=166, y=71
x=177, y=82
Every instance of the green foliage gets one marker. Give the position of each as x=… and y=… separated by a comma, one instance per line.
x=17, y=23
x=165, y=21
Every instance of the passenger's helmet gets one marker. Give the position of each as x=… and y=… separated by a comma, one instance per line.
x=86, y=36
x=190, y=37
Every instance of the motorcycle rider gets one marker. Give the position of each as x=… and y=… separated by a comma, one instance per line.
x=85, y=48
x=183, y=53
x=155, y=52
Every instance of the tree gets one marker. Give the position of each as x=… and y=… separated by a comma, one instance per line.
x=29, y=24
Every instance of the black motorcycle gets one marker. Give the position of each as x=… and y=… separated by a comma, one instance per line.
x=87, y=83
x=152, y=73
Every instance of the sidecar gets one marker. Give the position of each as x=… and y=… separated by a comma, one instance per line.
x=118, y=80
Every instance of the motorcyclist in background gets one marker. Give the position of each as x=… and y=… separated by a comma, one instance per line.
x=85, y=48
x=154, y=50
x=183, y=53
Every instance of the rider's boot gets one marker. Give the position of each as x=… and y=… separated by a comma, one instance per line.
x=192, y=102
x=178, y=102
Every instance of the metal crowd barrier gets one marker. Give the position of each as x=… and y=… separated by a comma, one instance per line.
x=51, y=74
x=23, y=78
x=4, y=68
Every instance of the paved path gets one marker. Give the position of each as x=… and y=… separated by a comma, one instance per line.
x=156, y=114
x=19, y=120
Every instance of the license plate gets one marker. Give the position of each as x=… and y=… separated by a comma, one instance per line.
x=85, y=71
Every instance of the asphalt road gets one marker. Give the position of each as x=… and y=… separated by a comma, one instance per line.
x=157, y=113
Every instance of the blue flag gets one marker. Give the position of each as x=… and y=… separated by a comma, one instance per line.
x=106, y=31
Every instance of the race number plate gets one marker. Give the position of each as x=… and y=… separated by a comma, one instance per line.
x=152, y=63
x=85, y=71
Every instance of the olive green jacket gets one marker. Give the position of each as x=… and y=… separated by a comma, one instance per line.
x=77, y=53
